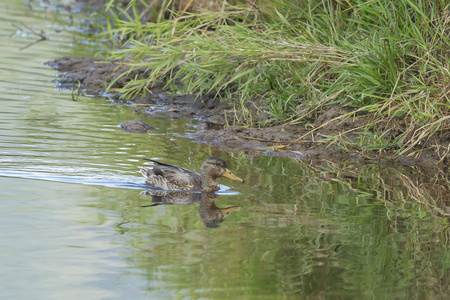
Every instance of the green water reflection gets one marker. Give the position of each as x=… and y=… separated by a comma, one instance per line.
x=316, y=238
x=78, y=222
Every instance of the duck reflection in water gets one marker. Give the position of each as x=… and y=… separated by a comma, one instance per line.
x=209, y=213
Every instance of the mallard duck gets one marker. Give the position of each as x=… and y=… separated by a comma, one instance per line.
x=169, y=177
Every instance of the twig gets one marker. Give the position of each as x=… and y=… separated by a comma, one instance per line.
x=289, y=143
x=41, y=35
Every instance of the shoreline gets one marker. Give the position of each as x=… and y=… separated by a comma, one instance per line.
x=90, y=75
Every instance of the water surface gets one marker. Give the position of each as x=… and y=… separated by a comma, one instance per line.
x=77, y=226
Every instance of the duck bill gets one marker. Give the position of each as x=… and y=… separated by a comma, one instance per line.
x=231, y=176
x=229, y=210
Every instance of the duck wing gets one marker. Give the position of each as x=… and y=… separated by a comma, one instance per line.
x=183, y=178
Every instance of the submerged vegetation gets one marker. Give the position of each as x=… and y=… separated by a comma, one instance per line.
x=387, y=62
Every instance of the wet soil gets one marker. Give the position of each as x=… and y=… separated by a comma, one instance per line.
x=90, y=76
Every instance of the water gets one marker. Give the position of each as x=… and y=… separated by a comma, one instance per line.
x=76, y=224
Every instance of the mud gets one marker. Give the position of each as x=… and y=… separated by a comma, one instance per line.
x=90, y=76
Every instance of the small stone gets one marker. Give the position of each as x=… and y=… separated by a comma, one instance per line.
x=215, y=122
x=136, y=126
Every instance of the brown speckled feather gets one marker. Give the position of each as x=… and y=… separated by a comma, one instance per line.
x=170, y=177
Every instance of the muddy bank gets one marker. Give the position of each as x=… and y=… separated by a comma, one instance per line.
x=91, y=76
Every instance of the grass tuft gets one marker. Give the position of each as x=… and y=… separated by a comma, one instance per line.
x=387, y=59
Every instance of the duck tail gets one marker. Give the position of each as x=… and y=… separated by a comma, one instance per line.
x=146, y=172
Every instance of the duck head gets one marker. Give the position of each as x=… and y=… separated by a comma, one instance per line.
x=213, y=168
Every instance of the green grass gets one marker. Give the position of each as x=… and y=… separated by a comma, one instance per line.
x=389, y=59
